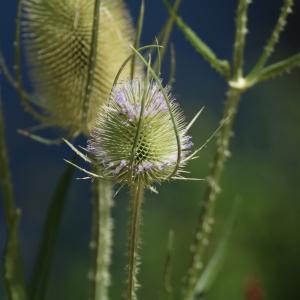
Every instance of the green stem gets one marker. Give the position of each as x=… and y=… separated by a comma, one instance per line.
x=240, y=38
x=13, y=267
x=278, y=69
x=207, y=208
x=221, y=66
x=133, y=237
x=138, y=37
x=167, y=278
x=92, y=60
x=286, y=9
x=102, y=239
x=166, y=34
x=24, y=97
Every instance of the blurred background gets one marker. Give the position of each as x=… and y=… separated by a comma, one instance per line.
x=263, y=172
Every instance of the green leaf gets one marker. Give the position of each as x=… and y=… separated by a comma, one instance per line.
x=222, y=66
x=42, y=267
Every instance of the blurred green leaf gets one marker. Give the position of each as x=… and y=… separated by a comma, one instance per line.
x=42, y=267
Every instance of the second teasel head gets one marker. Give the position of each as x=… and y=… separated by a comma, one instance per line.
x=57, y=35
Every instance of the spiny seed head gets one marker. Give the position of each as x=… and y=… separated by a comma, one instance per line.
x=131, y=146
x=58, y=36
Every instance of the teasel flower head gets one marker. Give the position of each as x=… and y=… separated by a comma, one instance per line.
x=58, y=35
x=134, y=137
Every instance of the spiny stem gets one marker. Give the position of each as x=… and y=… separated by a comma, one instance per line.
x=92, y=60
x=102, y=240
x=13, y=268
x=206, y=214
x=133, y=237
x=279, y=68
x=240, y=38
x=286, y=9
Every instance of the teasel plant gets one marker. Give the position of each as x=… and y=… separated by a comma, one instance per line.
x=74, y=49
x=198, y=277
x=92, y=89
x=153, y=147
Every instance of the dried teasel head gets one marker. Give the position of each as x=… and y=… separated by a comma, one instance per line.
x=57, y=35
x=134, y=138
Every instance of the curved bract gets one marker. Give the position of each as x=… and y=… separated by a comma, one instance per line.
x=149, y=157
x=57, y=36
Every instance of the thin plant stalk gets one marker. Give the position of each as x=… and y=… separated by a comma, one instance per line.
x=24, y=97
x=286, y=9
x=102, y=239
x=207, y=208
x=13, y=267
x=138, y=37
x=167, y=275
x=166, y=34
x=133, y=238
x=92, y=59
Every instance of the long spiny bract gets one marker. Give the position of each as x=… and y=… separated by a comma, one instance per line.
x=57, y=36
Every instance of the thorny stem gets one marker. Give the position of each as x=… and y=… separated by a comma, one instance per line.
x=279, y=68
x=240, y=38
x=286, y=9
x=13, y=268
x=101, y=243
x=133, y=237
x=206, y=214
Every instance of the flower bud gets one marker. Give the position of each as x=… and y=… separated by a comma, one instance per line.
x=130, y=145
x=57, y=36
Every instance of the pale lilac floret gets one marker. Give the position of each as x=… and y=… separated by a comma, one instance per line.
x=145, y=167
x=187, y=142
x=155, y=102
x=120, y=167
x=127, y=108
